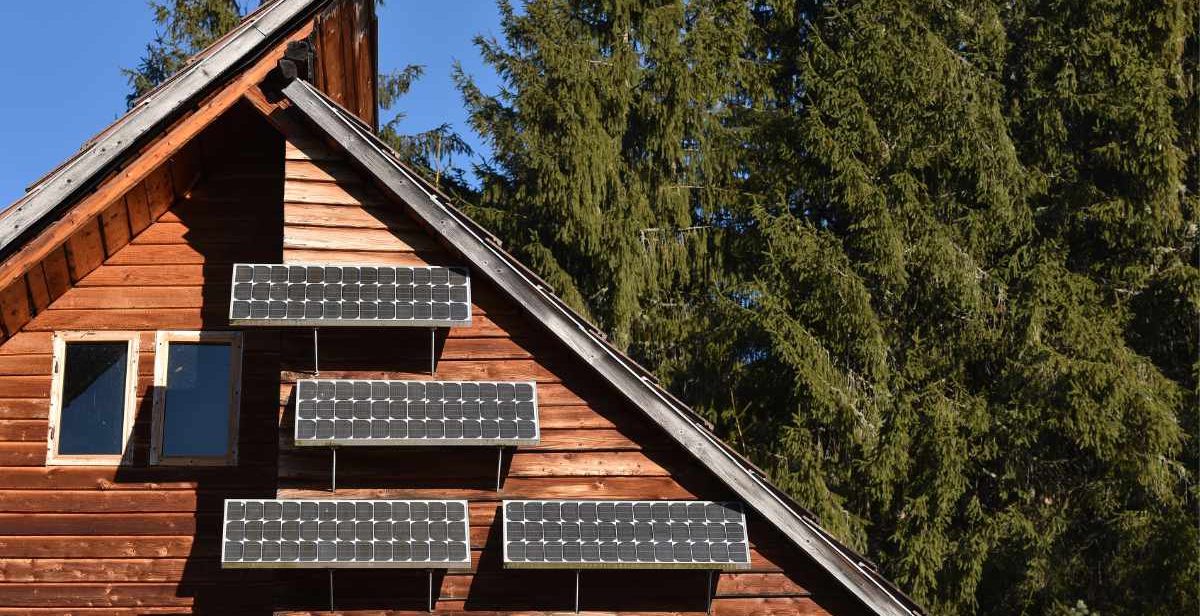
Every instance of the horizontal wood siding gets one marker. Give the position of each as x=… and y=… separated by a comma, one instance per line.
x=139, y=538
x=593, y=445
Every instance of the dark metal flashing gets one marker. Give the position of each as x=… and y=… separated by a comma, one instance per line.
x=464, y=236
x=47, y=199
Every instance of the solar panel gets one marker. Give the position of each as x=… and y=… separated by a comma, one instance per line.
x=625, y=535
x=361, y=412
x=350, y=295
x=323, y=534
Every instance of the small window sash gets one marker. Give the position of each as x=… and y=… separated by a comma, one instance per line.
x=162, y=349
x=58, y=376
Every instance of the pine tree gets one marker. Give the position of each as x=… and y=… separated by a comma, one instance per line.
x=608, y=172
x=945, y=287
x=185, y=27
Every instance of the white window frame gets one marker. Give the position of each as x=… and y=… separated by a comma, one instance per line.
x=58, y=375
x=162, y=347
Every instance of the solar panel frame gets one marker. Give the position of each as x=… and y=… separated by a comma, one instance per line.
x=338, y=505
x=319, y=300
x=368, y=424
x=727, y=565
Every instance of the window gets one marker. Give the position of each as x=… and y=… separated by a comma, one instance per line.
x=92, y=397
x=197, y=390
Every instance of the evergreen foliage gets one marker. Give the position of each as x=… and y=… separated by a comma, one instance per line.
x=931, y=264
x=185, y=27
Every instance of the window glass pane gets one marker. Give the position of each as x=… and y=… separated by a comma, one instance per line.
x=93, y=398
x=197, y=406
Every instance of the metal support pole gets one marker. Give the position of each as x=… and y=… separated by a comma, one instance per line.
x=432, y=351
x=316, y=354
x=331, y=590
x=708, y=597
x=499, y=465
x=333, y=471
x=430, y=590
x=577, y=591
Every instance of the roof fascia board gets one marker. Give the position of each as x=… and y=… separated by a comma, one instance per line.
x=495, y=266
x=48, y=195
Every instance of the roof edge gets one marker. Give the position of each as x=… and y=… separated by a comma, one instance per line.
x=848, y=568
x=31, y=210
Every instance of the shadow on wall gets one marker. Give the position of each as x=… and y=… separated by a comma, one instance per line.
x=234, y=213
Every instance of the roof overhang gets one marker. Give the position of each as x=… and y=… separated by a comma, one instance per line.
x=233, y=51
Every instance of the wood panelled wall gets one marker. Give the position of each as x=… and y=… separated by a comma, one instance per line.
x=95, y=239
x=138, y=539
x=593, y=444
x=345, y=39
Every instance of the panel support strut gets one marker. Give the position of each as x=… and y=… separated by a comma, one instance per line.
x=432, y=351
x=577, y=591
x=430, y=590
x=499, y=466
x=331, y=590
x=708, y=596
x=333, y=470
x=316, y=361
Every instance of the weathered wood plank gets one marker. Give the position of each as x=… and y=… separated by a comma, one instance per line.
x=309, y=148
x=355, y=239
x=100, y=524
x=114, y=223
x=109, y=298
x=296, y=255
x=156, y=276
x=27, y=343
x=85, y=249
x=213, y=316
x=102, y=547
x=322, y=215
x=25, y=386
x=23, y=365
x=330, y=193
x=23, y=430
x=138, y=208
x=519, y=487
x=117, y=501
x=15, y=310
x=204, y=235
x=184, y=254
x=58, y=275
x=39, y=293
x=24, y=408
x=332, y=75
x=322, y=171
x=121, y=570
x=159, y=192
x=185, y=168
x=111, y=479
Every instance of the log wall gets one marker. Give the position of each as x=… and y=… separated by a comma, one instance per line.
x=139, y=539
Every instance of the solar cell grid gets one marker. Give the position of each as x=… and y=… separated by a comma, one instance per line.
x=361, y=412
x=336, y=534
x=625, y=534
x=333, y=295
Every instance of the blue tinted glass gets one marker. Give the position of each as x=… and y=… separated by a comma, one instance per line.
x=93, y=407
x=197, y=410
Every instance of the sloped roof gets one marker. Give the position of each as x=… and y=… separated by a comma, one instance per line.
x=634, y=382
x=45, y=198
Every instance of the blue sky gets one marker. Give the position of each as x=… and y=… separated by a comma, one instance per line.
x=61, y=63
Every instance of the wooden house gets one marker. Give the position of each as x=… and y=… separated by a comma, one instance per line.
x=145, y=413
